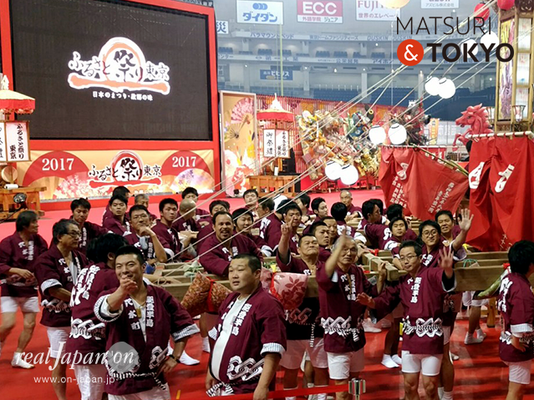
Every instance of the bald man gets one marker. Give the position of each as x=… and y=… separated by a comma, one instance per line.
x=187, y=228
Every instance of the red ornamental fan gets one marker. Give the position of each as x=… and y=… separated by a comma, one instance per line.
x=505, y=4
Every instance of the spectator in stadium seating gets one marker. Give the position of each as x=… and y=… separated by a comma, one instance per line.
x=217, y=251
x=118, y=223
x=18, y=255
x=56, y=270
x=80, y=212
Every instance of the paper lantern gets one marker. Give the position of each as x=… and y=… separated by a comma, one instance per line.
x=377, y=134
x=397, y=134
x=488, y=39
x=432, y=86
x=505, y=4
x=393, y=3
x=333, y=170
x=468, y=44
x=447, y=88
x=482, y=13
x=349, y=175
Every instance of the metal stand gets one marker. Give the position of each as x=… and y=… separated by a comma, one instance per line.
x=356, y=388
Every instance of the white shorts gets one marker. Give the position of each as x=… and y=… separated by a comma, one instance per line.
x=467, y=299
x=292, y=357
x=341, y=365
x=446, y=334
x=428, y=364
x=26, y=304
x=156, y=393
x=91, y=380
x=519, y=372
x=58, y=340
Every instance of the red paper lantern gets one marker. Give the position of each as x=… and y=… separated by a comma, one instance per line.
x=505, y=4
x=482, y=14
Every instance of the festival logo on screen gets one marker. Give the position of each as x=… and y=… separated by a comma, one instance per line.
x=126, y=168
x=120, y=66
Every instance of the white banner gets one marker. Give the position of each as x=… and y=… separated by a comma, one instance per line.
x=269, y=145
x=372, y=10
x=3, y=154
x=256, y=12
x=282, y=144
x=17, y=140
x=440, y=3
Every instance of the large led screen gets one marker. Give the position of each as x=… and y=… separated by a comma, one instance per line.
x=112, y=70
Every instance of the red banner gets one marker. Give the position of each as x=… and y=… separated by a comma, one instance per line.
x=409, y=176
x=501, y=185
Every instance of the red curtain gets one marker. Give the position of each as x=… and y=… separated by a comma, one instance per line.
x=502, y=184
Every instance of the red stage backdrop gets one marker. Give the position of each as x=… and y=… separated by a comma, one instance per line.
x=420, y=183
x=117, y=103
x=72, y=174
x=501, y=183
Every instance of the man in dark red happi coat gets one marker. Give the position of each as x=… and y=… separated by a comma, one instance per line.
x=141, y=318
x=250, y=336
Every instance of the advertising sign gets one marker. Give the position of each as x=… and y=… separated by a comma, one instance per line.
x=255, y=12
x=321, y=11
x=372, y=10
x=274, y=75
x=440, y=3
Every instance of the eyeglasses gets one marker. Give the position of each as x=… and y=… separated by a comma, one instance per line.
x=75, y=234
x=138, y=217
x=429, y=233
x=408, y=258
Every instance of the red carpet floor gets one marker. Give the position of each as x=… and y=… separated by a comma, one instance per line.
x=479, y=373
